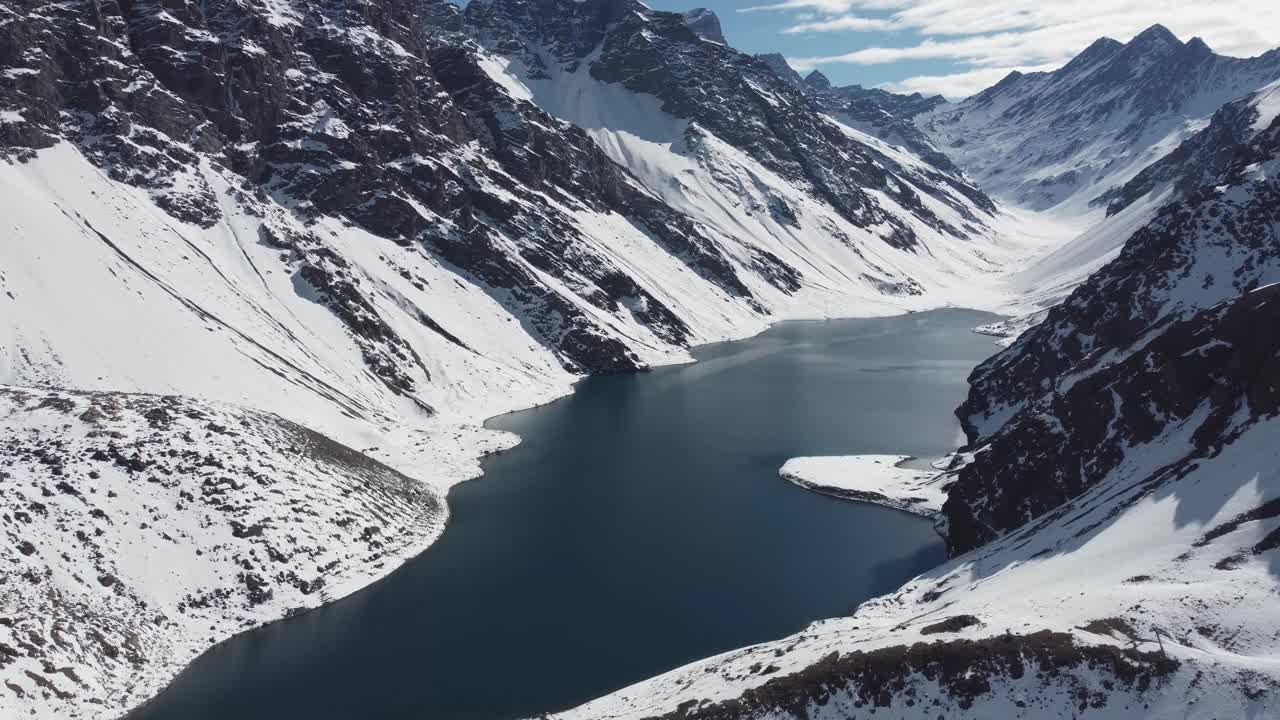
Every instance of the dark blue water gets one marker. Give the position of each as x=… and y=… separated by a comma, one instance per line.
x=640, y=525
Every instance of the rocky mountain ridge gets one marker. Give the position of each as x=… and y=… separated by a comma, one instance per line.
x=705, y=24
x=726, y=95
x=880, y=113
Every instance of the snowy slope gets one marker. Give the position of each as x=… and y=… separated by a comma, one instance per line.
x=101, y=289
x=141, y=529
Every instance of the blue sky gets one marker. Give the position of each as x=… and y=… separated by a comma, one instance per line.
x=760, y=32
x=958, y=47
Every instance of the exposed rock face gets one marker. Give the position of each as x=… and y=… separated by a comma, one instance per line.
x=1139, y=347
x=1041, y=139
x=1213, y=371
x=962, y=671
x=879, y=113
x=341, y=111
x=888, y=116
x=817, y=81
x=778, y=64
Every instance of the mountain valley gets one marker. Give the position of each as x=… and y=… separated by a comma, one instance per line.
x=268, y=265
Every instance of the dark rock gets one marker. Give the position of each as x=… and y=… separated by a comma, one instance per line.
x=953, y=624
x=962, y=669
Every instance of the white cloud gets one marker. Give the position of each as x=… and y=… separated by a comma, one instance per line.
x=842, y=22
x=987, y=38
x=958, y=85
x=830, y=7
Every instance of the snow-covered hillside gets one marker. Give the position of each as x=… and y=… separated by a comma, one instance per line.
x=141, y=529
x=1098, y=146
x=719, y=136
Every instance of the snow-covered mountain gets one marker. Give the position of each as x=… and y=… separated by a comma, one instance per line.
x=778, y=64
x=350, y=217
x=275, y=260
x=718, y=135
x=882, y=114
x=1214, y=245
x=365, y=207
x=1130, y=121
x=1066, y=137
x=1114, y=520
x=1205, y=155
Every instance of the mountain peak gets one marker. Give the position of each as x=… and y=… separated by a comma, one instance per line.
x=1199, y=45
x=1098, y=51
x=705, y=24
x=817, y=80
x=1155, y=36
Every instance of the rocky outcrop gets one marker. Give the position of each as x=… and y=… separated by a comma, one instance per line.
x=778, y=64
x=962, y=671
x=1157, y=335
x=1212, y=373
x=888, y=116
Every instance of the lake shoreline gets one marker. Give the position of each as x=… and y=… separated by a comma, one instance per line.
x=493, y=423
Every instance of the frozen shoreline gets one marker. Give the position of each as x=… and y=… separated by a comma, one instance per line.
x=876, y=479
